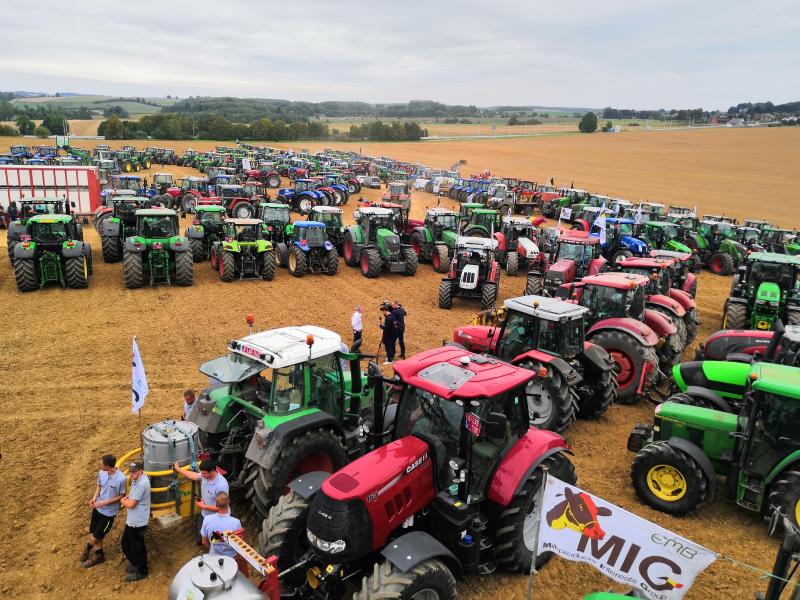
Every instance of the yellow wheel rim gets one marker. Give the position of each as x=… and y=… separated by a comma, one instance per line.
x=292, y=262
x=85, y=268
x=667, y=483
x=725, y=321
x=797, y=512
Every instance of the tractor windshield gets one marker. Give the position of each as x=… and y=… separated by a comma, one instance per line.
x=207, y=216
x=252, y=190
x=574, y=252
x=654, y=282
x=231, y=368
x=423, y=412
x=157, y=226
x=302, y=186
x=607, y=302
x=275, y=215
x=517, y=336
x=783, y=275
x=162, y=179
x=314, y=236
x=49, y=232
x=779, y=417
x=331, y=219
x=248, y=233
x=447, y=222
x=573, y=337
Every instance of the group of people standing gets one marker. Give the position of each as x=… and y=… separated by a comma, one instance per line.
x=392, y=324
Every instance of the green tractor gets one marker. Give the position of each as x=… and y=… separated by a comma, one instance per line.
x=714, y=245
x=781, y=241
x=278, y=227
x=157, y=250
x=766, y=288
x=435, y=240
x=127, y=162
x=284, y=402
x=334, y=226
x=28, y=209
x=482, y=222
x=52, y=250
x=119, y=225
x=757, y=450
x=205, y=230
x=373, y=243
x=663, y=235
x=243, y=252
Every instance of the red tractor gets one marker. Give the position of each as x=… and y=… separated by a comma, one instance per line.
x=577, y=255
x=266, y=175
x=516, y=246
x=193, y=191
x=546, y=335
x=449, y=490
x=405, y=225
x=398, y=192
x=683, y=270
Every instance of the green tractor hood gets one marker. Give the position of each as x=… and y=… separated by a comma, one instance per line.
x=676, y=246
x=768, y=292
x=728, y=379
x=388, y=241
x=449, y=238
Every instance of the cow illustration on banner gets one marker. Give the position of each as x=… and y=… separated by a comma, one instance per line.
x=655, y=562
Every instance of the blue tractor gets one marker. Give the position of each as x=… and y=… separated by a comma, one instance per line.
x=620, y=242
x=303, y=196
x=310, y=251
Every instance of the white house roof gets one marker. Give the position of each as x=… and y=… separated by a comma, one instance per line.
x=287, y=346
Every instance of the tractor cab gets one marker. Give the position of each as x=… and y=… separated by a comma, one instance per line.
x=663, y=235
x=782, y=241
x=439, y=220
x=210, y=216
x=515, y=229
x=310, y=234
x=197, y=184
x=483, y=222
x=654, y=209
x=373, y=219
x=277, y=219
x=53, y=230
x=756, y=223
x=242, y=230
x=748, y=237
x=656, y=271
x=128, y=182
x=124, y=208
x=156, y=223
x=578, y=255
x=162, y=181
x=611, y=295
x=720, y=219
x=331, y=217
x=675, y=210
x=465, y=210
x=41, y=206
x=253, y=189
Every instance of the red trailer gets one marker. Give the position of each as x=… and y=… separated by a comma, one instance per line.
x=79, y=184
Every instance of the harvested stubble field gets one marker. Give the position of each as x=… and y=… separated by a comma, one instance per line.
x=66, y=360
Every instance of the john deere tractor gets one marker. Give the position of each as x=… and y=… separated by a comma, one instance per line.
x=310, y=251
x=373, y=244
x=435, y=240
x=483, y=222
x=28, y=208
x=156, y=252
x=243, y=253
x=278, y=227
x=714, y=244
x=765, y=288
x=205, y=230
x=52, y=250
x=757, y=449
x=474, y=273
x=331, y=216
x=119, y=225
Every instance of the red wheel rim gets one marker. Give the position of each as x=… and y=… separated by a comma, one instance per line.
x=221, y=268
x=415, y=245
x=364, y=264
x=214, y=260
x=716, y=264
x=627, y=368
x=348, y=249
x=316, y=461
x=436, y=261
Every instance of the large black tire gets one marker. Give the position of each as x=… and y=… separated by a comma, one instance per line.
x=351, y=257
x=441, y=258
x=489, y=294
x=552, y=402
x=476, y=231
x=244, y=210
x=227, y=266
x=682, y=398
x=599, y=393
x=283, y=534
x=188, y=203
x=298, y=262
x=445, y=294
x=429, y=579
x=533, y=284
x=274, y=181
x=10, y=244
x=793, y=317
x=421, y=249
x=331, y=262
x=721, y=264
x=693, y=289
x=371, y=263
x=76, y=272
x=184, y=268
x=784, y=496
x=735, y=316
x=621, y=255
x=25, y=274
x=669, y=354
x=668, y=479
x=411, y=260
x=692, y=323
x=270, y=266
x=266, y=486
x=87, y=252
x=198, y=248
x=132, y=270
x=631, y=357
x=282, y=254
x=676, y=320
x=512, y=550
x=512, y=264
x=112, y=249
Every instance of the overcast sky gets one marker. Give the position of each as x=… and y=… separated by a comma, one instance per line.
x=626, y=53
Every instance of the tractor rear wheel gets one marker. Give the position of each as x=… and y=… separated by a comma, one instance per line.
x=515, y=527
x=198, y=249
x=274, y=180
x=603, y=390
x=621, y=255
x=282, y=254
x=533, y=285
x=446, y=294
x=331, y=261
x=76, y=272
x=512, y=264
x=10, y=245
x=721, y=264
x=552, y=402
x=316, y=450
x=132, y=270
x=298, y=264
x=632, y=357
x=429, y=580
x=421, y=249
x=351, y=188
x=188, y=203
x=370, y=263
x=692, y=323
x=25, y=274
x=735, y=316
x=112, y=250
x=440, y=258
x=668, y=479
x=244, y=210
x=410, y=258
x=676, y=320
x=184, y=268
x=227, y=266
x=349, y=246
x=784, y=496
x=270, y=266
x=283, y=534
x=488, y=294
x=669, y=354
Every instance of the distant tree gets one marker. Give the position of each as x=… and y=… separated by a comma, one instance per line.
x=513, y=120
x=414, y=132
x=111, y=128
x=8, y=130
x=608, y=126
x=41, y=132
x=6, y=111
x=55, y=123
x=588, y=123
x=24, y=125
x=116, y=110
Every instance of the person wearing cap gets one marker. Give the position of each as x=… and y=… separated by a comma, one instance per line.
x=211, y=483
x=400, y=316
x=138, y=504
x=188, y=403
x=110, y=489
x=217, y=524
x=357, y=324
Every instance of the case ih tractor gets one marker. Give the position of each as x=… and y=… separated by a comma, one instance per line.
x=451, y=492
x=474, y=273
x=331, y=216
x=243, y=252
x=52, y=250
x=119, y=224
x=205, y=230
x=156, y=251
x=193, y=191
x=757, y=449
x=434, y=241
x=516, y=247
x=373, y=243
x=398, y=192
x=310, y=251
x=765, y=289
x=546, y=335
x=240, y=201
x=577, y=256
x=283, y=405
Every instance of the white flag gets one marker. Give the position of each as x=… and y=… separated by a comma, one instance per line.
x=139, y=389
x=566, y=213
x=638, y=219
x=600, y=222
x=655, y=562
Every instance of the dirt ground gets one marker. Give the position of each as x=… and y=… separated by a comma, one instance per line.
x=66, y=369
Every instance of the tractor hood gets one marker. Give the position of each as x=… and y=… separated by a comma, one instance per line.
x=561, y=271
x=477, y=338
x=633, y=244
x=527, y=247
x=728, y=379
x=676, y=246
x=449, y=237
x=389, y=239
x=768, y=292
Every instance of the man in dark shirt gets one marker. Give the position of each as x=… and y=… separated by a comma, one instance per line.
x=389, y=326
x=400, y=316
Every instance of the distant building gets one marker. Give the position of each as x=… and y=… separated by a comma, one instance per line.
x=736, y=122
x=764, y=118
x=719, y=118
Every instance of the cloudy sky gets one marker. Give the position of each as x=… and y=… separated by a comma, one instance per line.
x=625, y=53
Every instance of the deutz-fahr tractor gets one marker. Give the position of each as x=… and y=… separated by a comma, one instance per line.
x=578, y=255
x=373, y=244
x=757, y=449
x=331, y=216
x=435, y=240
x=781, y=241
x=282, y=405
x=546, y=335
x=765, y=288
x=310, y=251
x=119, y=224
x=516, y=247
x=28, y=208
x=157, y=251
x=243, y=252
x=450, y=489
x=663, y=235
x=205, y=230
x=52, y=250
x=474, y=273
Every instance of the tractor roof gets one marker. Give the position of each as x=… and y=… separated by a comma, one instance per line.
x=50, y=219
x=572, y=236
x=230, y=186
x=549, y=309
x=472, y=205
x=619, y=221
x=376, y=211
x=162, y=174
x=772, y=257
x=441, y=212
x=477, y=243
x=193, y=178
x=244, y=222
x=517, y=221
x=776, y=379
x=484, y=211
x=450, y=372
x=209, y=208
x=621, y=281
x=773, y=228
x=642, y=262
x=651, y=204
x=287, y=346
x=132, y=177
x=325, y=209
x=308, y=224
x=670, y=253
x=660, y=224
x=40, y=200
x=155, y=212
x=279, y=205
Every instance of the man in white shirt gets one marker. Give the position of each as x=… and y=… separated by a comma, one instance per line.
x=138, y=504
x=357, y=324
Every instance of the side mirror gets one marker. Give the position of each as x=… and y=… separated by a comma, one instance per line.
x=72, y=204
x=495, y=426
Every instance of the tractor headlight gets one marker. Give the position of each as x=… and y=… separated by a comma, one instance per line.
x=774, y=304
x=327, y=547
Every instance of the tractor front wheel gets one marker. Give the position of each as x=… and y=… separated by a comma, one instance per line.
x=721, y=264
x=112, y=250
x=270, y=266
x=370, y=263
x=429, y=580
x=446, y=294
x=132, y=270
x=282, y=252
x=440, y=258
x=331, y=261
x=244, y=210
x=283, y=534
x=76, y=272
x=350, y=258
x=298, y=264
x=25, y=274
x=184, y=268
x=421, y=249
x=735, y=316
x=692, y=323
x=784, y=496
x=668, y=479
x=552, y=402
x=488, y=294
x=602, y=390
x=188, y=203
x=227, y=266
x=274, y=180
x=533, y=284
x=621, y=255
x=512, y=264
x=410, y=258
x=632, y=358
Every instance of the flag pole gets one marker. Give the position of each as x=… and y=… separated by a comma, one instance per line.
x=534, y=550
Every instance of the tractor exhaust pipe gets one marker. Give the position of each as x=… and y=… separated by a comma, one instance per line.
x=378, y=403
x=774, y=342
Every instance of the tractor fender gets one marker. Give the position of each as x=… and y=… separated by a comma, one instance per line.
x=303, y=247
x=356, y=233
x=559, y=364
x=21, y=252
x=683, y=298
x=520, y=461
x=701, y=458
x=135, y=244
x=641, y=331
x=670, y=304
x=710, y=396
x=179, y=244
x=175, y=192
x=501, y=241
x=414, y=548
x=15, y=230
x=266, y=453
x=687, y=284
x=728, y=379
x=308, y=484
x=287, y=193
x=193, y=232
x=424, y=234
x=596, y=265
x=734, y=300
x=494, y=272
x=597, y=356
x=633, y=244
x=661, y=324
x=72, y=252
x=111, y=228
x=732, y=248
